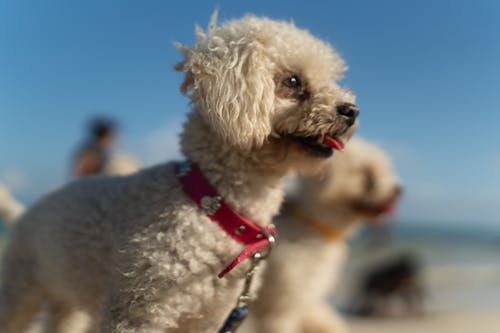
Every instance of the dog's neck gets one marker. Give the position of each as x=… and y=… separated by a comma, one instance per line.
x=249, y=187
x=312, y=222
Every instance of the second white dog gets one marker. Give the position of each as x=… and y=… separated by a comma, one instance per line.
x=357, y=185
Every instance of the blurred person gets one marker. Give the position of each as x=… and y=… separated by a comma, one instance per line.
x=93, y=155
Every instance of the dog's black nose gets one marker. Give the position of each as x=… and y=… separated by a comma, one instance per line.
x=348, y=111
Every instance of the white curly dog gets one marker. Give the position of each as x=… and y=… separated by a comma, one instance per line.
x=357, y=185
x=136, y=252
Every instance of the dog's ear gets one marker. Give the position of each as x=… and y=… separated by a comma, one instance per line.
x=229, y=80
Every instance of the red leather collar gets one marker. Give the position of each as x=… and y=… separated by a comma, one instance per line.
x=238, y=227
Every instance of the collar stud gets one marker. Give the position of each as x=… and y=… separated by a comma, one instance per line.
x=240, y=230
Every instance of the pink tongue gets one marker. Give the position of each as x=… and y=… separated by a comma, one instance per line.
x=335, y=144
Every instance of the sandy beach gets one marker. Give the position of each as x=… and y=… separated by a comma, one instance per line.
x=460, y=275
x=485, y=321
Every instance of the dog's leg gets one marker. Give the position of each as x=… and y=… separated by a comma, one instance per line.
x=20, y=297
x=323, y=319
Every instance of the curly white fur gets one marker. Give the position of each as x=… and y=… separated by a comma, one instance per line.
x=303, y=269
x=134, y=252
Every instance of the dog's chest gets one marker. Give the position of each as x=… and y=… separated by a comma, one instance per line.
x=213, y=299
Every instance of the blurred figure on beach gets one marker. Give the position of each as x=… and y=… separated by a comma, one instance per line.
x=95, y=155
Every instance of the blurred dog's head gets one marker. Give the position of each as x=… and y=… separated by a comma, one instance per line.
x=359, y=184
x=267, y=86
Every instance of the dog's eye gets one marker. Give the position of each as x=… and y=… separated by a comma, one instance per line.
x=293, y=82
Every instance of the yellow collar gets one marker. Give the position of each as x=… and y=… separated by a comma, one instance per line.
x=325, y=230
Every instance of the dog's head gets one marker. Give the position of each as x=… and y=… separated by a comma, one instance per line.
x=359, y=184
x=263, y=83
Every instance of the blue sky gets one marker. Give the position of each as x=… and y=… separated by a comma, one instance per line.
x=426, y=73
